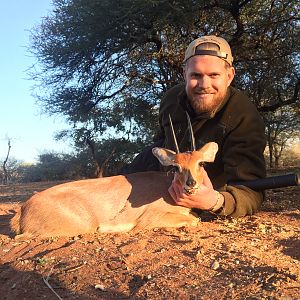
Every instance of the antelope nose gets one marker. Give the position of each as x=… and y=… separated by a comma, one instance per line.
x=190, y=182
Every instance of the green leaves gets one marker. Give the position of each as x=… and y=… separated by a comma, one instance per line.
x=108, y=62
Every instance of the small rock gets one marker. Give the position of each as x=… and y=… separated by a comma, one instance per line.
x=215, y=265
x=262, y=228
x=100, y=287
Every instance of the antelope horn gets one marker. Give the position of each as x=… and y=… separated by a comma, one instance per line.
x=174, y=136
x=191, y=132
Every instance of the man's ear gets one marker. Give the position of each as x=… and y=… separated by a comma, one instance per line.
x=230, y=75
x=209, y=151
x=165, y=156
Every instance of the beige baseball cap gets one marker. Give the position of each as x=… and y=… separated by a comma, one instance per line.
x=224, y=48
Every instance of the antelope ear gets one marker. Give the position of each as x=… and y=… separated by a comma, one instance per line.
x=165, y=156
x=209, y=151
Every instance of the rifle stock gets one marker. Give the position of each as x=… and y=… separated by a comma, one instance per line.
x=272, y=182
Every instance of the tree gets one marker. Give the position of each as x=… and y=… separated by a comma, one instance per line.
x=108, y=155
x=104, y=64
x=6, y=173
x=281, y=128
x=54, y=166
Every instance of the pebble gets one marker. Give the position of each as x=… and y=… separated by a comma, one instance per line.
x=100, y=287
x=215, y=265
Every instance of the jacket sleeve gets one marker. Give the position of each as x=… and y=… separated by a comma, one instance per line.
x=243, y=159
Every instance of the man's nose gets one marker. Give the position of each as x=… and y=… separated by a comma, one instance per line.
x=204, y=82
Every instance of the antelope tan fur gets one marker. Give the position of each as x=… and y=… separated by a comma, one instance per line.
x=115, y=204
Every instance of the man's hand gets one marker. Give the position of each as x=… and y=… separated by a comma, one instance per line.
x=205, y=197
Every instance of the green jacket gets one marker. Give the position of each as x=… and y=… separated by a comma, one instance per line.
x=237, y=128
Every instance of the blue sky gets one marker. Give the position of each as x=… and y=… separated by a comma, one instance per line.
x=20, y=117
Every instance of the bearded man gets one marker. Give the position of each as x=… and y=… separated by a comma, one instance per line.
x=219, y=113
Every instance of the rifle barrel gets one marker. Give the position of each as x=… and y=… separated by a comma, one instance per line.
x=272, y=182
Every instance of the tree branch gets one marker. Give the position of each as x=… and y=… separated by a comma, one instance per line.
x=280, y=103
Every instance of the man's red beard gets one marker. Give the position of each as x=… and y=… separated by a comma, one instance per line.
x=201, y=106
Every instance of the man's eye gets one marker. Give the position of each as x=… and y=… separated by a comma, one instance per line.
x=201, y=164
x=195, y=75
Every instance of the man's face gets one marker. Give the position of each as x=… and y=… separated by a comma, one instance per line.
x=206, y=81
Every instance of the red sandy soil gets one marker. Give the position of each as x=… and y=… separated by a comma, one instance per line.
x=255, y=257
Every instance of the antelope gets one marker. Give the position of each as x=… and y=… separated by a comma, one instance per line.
x=122, y=203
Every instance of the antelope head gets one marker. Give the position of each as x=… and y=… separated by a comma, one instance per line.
x=189, y=165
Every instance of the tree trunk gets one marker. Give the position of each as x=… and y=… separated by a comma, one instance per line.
x=99, y=171
x=106, y=161
x=270, y=144
x=276, y=162
x=6, y=174
x=278, y=152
